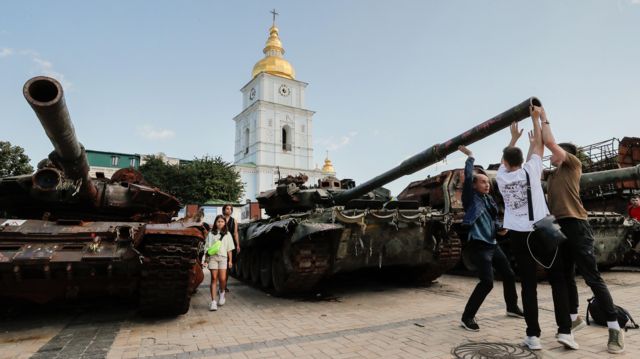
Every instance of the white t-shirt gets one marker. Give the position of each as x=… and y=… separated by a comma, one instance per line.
x=513, y=187
x=227, y=243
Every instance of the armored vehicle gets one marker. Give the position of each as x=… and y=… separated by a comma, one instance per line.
x=335, y=226
x=612, y=231
x=65, y=234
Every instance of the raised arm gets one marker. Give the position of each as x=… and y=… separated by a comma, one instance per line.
x=515, y=134
x=548, y=139
x=535, y=136
x=467, y=187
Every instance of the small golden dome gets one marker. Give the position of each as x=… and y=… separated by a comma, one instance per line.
x=273, y=63
x=328, y=166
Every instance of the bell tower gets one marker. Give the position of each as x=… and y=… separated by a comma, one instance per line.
x=274, y=129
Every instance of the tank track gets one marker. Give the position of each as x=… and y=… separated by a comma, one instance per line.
x=448, y=254
x=166, y=274
x=298, y=272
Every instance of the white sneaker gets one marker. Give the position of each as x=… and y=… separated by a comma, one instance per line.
x=221, y=299
x=532, y=343
x=568, y=341
x=213, y=306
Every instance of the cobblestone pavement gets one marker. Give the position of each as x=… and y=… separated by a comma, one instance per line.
x=361, y=318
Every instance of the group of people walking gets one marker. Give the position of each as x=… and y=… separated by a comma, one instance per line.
x=221, y=245
x=520, y=183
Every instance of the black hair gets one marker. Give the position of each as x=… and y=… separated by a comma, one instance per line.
x=569, y=147
x=512, y=156
x=215, y=228
x=227, y=205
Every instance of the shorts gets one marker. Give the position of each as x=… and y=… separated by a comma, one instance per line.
x=217, y=262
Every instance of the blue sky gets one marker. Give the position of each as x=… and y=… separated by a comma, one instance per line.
x=386, y=79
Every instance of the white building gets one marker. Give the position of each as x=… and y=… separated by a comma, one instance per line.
x=274, y=134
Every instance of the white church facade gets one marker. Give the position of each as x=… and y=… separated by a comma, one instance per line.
x=274, y=130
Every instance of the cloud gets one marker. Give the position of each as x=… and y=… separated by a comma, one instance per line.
x=5, y=52
x=43, y=66
x=635, y=2
x=46, y=68
x=333, y=144
x=150, y=133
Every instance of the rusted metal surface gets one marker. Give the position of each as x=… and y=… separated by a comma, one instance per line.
x=69, y=235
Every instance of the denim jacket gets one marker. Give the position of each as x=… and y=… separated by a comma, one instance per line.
x=471, y=200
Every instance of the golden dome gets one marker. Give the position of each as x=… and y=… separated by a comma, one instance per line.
x=273, y=63
x=328, y=166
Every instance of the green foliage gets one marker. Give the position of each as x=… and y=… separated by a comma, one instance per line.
x=198, y=181
x=13, y=161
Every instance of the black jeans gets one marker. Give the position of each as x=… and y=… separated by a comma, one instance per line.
x=485, y=257
x=577, y=251
x=527, y=268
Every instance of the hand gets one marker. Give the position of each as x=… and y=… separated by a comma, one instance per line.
x=465, y=150
x=503, y=232
x=238, y=249
x=515, y=132
x=230, y=264
x=204, y=265
x=532, y=137
x=535, y=112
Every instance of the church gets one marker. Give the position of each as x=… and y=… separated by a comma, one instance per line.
x=274, y=130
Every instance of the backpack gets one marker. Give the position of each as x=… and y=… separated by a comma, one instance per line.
x=624, y=318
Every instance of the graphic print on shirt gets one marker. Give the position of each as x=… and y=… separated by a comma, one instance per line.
x=515, y=197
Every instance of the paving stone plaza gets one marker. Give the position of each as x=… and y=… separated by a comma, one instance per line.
x=359, y=317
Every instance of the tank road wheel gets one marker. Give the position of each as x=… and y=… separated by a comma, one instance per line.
x=265, y=269
x=254, y=268
x=279, y=273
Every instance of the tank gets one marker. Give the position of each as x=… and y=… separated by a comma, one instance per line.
x=613, y=232
x=65, y=234
x=334, y=226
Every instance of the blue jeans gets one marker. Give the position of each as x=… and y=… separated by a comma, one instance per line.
x=485, y=257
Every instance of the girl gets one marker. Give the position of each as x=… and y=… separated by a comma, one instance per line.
x=218, y=262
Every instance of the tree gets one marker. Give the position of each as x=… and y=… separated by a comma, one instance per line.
x=198, y=181
x=13, y=161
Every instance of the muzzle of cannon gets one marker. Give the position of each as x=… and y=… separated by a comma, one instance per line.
x=46, y=98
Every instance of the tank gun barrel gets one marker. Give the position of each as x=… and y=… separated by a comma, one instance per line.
x=595, y=179
x=438, y=152
x=46, y=98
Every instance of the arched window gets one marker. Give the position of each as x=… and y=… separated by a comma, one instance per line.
x=286, y=138
x=246, y=141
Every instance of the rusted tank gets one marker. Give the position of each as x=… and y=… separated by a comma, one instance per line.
x=612, y=231
x=335, y=226
x=65, y=234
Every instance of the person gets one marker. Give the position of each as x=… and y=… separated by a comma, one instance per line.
x=563, y=186
x=232, y=227
x=520, y=214
x=219, y=262
x=634, y=207
x=480, y=215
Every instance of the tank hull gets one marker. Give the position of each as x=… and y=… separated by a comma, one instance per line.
x=293, y=253
x=42, y=261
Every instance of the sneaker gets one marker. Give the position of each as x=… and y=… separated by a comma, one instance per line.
x=515, y=313
x=532, y=343
x=470, y=324
x=221, y=299
x=568, y=341
x=616, y=341
x=577, y=324
x=213, y=306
